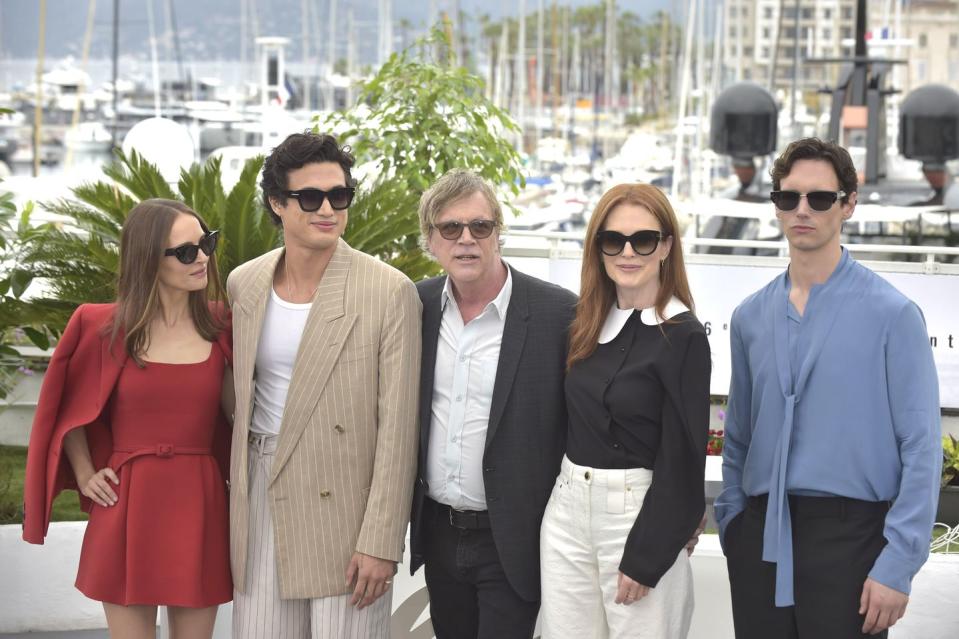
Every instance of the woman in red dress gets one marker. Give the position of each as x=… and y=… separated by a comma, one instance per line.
x=133, y=398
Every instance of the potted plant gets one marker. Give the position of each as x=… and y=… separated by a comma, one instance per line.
x=949, y=491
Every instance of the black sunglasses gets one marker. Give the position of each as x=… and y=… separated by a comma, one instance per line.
x=187, y=253
x=818, y=200
x=643, y=242
x=479, y=229
x=312, y=199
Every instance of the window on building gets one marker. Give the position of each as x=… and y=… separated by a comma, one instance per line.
x=733, y=11
x=768, y=13
x=807, y=13
x=789, y=13
x=805, y=32
x=764, y=52
x=789, y=33
x=748, y=52
x=923, y=40
x=747, y=74
x=827, y=14
x=767, y=33
x=953, y=42
x=846, y=13
x=846, y=33
x=732, y=32
x=827, y=34
x=921, y=70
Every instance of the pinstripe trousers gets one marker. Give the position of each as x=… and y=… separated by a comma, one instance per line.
x=259, y=613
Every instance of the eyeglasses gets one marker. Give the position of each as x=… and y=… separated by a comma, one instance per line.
x=479, y=229
x=818, y=200
x=312, y=199
x=187, y=253
x=643, y=242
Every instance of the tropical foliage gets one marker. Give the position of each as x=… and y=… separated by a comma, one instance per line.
x=417, y=118
x=78, y=264
x=12, y=286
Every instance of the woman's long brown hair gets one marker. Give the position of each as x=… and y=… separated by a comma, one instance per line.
x=598, y=292
x=146, y=233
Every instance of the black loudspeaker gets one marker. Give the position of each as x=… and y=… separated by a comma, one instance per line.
x=929, y=124
x=743, y=122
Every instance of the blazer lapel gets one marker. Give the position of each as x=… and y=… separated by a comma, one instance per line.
x=327, y=328
x=510, y=352
x=432, y=318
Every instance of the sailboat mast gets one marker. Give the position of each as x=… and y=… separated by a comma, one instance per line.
x=331, y=55
x=305, y=43
x=350, y=57
x=386, y=30
x=540, y=67
x=521, y=72
x=115, y=57
x=38, y=107
x=85, y=56
x=683, y=97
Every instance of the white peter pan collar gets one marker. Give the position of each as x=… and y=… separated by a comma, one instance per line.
x=618, y=317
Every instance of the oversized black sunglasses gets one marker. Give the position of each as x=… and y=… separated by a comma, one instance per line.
x=818, y=200
x=479, y=229
x=187, y=253
x=643, y=242
x=312, y=199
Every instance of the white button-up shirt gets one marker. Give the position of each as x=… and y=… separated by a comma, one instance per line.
x=466, y=360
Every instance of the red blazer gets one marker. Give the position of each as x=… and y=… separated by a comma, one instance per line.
x=76, y=387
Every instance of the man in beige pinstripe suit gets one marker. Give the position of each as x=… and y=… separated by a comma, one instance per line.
x=326, y=368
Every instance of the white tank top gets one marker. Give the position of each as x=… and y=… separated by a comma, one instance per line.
x=275, y=355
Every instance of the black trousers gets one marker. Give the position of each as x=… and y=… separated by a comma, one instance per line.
x=470, y=597
x=835, y=544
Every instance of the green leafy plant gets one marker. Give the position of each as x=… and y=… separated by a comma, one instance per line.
x=418, y=117
x=78, y=262
x=950, y=461
x=13, y=283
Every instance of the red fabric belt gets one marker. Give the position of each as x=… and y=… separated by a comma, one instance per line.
x=124, y=455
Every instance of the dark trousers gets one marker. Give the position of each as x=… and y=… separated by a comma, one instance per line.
x=470, y=597
x=835, y=544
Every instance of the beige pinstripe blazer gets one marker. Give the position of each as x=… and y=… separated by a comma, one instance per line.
x=345, y=460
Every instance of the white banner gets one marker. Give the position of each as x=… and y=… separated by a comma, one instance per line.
x=719, y=287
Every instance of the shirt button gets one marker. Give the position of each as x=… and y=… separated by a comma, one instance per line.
x=459, y=398
x=622, y=349
x=463, y=358
x=453, y=439
x=616, y=446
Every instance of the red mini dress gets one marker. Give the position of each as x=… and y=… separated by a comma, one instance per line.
x=166, y=540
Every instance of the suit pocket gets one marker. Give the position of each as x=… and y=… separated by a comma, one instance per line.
x=356, y=353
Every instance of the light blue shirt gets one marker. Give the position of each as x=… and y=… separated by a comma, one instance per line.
x=841, y=401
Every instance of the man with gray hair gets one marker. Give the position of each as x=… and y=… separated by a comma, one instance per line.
x=492, y=418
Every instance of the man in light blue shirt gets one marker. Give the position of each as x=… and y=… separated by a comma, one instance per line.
x=832, y=453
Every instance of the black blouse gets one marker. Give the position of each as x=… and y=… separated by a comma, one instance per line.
x=642, y=401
